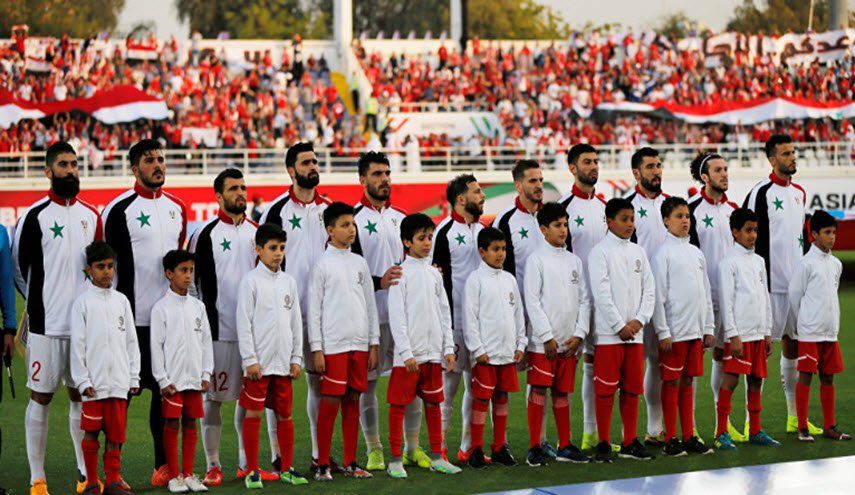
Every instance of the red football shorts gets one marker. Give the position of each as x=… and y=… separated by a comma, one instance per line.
x=426, y=383
x=187, y=403
x=558, y=374
x=820, y=357
x=490, y=378
x=619, y=365
x=343, y=370
x=685, y=359
x=271, y=391
x=752, y=362
x=110, y=415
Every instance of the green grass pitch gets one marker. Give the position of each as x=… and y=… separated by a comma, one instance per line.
x=137, y=453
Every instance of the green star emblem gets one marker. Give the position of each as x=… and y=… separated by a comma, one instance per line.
x=226, y=244
x=371, y=227
x=295, y=222
x=143, y=219
x=579, y=221
x=461, y=239
x=523, y=233
x=86, y=275
x=57, y=229
x=708, y=221
x=801, y=240
x=642, y=212
x=779, y=205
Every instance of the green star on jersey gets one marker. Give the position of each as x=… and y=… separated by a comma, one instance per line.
x=226, y=244
x=708, y=221
x=143, y=219
x=579, y=221
x=371, y=227
x=801, y=240
x=523, y=233
x=779, y=205
x=56, y=229
x=642, y=212
x=461, y=239
x=295, y=222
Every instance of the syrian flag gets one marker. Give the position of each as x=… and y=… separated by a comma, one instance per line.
x=37, y=65
x=120, y=104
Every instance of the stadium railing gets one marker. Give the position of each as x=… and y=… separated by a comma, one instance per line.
x=414, y=159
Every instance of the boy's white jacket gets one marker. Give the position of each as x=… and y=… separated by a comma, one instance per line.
x=493, y=321
x=746, y=310
x=556, y=297
x=269, y=322
x=181, y=350
x=419, y=315
x=342, y=310
x=814, y=286
x=683, y=308
x=623, y=288
x=105, y=354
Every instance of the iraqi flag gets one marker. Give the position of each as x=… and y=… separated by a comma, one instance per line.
x=139, y=51
x=120, y=104
x=37, y=65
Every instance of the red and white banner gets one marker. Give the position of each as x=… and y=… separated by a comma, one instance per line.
x=119, y=104
x=35, y=64
x=732, y=113
x=141, y=51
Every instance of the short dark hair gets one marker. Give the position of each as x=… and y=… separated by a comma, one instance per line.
x=269, y=232
x=821, y=219
x=370, y=157
x=334, y=211
x=220, y=180
x=670, y=204
x=55, y=150
x=740, y=216
x=701, y=164
x=293, y=151
x=99, y=251
x=457, y=186
x=413, y=224
x=577, y=150
x=175, y=257
x=774, y=141
x=489, y=235
x=641, y=154
x=144, y=146
x=518, y=172
x=551, y=212
x=616, y=205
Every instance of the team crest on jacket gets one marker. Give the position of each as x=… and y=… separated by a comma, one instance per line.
x=198, y=324
x=121, y=323
x=288, y=301
x=637, y=265
x=574, y=277
x=172, y=214
x=85, y=225
x=511, y=300
x=360, y=278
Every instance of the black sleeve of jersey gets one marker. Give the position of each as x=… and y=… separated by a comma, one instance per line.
x=119, y=238
x=510, y=259
x=569, y=242
x=806, y=235
x=693, y=225
x=31, y=263
x=762, y=248
x=274, y=216
x=442, y=259
x=206, y=277
x=356, y=248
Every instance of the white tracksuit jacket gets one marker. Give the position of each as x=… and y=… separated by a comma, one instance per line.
x=493, y=318
x=814, y=287
x=181, y=349
x=269, y=323
x=105, y=354
x=683, y=309
x=419, y=315
x=746, y=309
x=556, y=296
x=342, y=309
x=623, y=288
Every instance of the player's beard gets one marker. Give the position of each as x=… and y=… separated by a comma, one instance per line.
x=234, y=208
x=649, y=186
x=718, y=188
x=474, y=209
x=310, y=181
x=152, y=182
x=588, y=180
x=66, y=187
x=378, y=194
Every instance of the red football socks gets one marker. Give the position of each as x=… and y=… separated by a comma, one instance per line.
x=535, y=418
x=687, y=411
x=285, y=436
x=826, y=397
x=396, y=428
x=327, y=412
x=629, y=416
x=112, y=466
x=476, y=424
x=433, y=417
x=725, y=399
x=604, y=406
x=669, y=396
x=250, y=441
x=802, y=401
x=561, y=411
x=170, y=445
x=90, y=458
x=754, y=408
x=500, y=423
x=349, y=429
x=188, y=448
